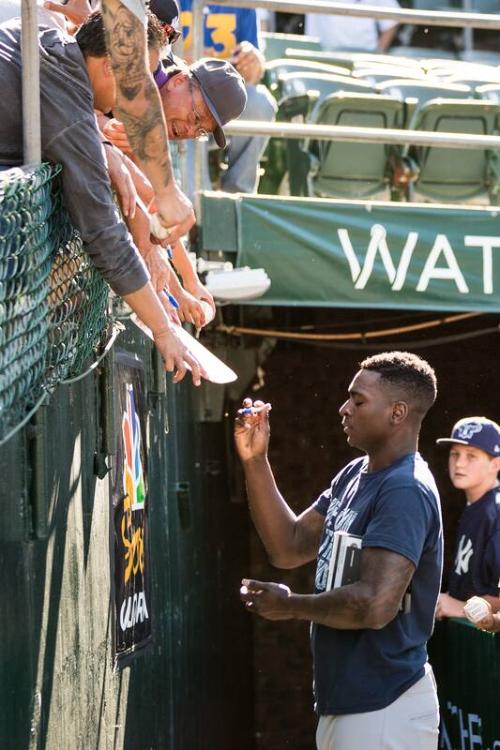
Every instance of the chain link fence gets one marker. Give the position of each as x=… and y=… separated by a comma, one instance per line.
x=53, y=303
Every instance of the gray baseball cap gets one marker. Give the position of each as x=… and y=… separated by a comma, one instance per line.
x=223, y=90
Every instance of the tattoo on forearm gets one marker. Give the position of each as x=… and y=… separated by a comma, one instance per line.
x=145, y=135
x=143, y=117
x=126, y=47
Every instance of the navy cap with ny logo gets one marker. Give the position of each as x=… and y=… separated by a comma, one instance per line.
x=479, y=432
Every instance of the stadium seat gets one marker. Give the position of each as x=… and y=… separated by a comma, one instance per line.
x=379, y=73
x=319, y=84
x=432, y=4
x=274, y=44
x=385, y=62
x=350, y=58
x=352, y=170
x=484, y=6
x=490, y=91
x=436, y=66
x=415, y=93
x=482, y=55
x=421, y=52
x=294, y=104
x=342, y=59
x=276, y=68
x=300, y=93
x=441, y=177
x=475, y=80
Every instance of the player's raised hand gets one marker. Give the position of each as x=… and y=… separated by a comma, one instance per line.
x=251, y=429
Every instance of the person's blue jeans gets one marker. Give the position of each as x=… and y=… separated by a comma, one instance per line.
x=244, y=152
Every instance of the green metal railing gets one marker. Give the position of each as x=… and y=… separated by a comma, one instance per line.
x=53, y=303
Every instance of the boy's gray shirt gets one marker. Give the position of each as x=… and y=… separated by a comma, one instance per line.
x=69, y=137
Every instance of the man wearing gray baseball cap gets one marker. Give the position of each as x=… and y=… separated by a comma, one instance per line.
x=223, y=90
x=197, y=100
x=222, y=97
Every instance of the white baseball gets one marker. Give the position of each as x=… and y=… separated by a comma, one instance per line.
x=156, y=227
x=208, y=311
x=476, y=608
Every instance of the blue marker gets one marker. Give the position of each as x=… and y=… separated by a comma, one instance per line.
x=169, y=252
x=173, y=301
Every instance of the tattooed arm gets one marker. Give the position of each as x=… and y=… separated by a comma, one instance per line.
x=372, y=602
x=139, y=107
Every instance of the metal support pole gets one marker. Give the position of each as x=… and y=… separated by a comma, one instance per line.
x=198, y=31
x=468, y=36
x=455, y=19
x=32, y=146
x=362, y=135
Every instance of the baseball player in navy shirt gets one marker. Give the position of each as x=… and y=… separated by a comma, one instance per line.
x=373, y=685
x=474, y=463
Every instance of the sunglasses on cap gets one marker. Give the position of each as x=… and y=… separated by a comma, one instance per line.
x=172, y=34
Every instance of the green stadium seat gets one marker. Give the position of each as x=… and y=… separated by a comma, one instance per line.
x=415, y=93
x=274, y=44
x=353, y=170
x=319, y=85
x=408, y=65
x=350, y=59
x=299, y=93
x=490, y=91
x=421, y=52
x=276, y=68
x=437, y=66
x=482, y=55
x=295, y=103
x=379, y=73
x=484, y=6
x=476, y=79
x=342, y=59
x=441, y=177
x=446, y=5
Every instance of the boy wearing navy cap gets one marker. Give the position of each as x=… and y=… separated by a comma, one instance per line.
x=474, y=463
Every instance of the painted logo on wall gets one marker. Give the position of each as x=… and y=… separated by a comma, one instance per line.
x=130, y=511
x=133, y=477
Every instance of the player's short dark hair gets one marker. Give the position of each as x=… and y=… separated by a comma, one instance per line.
x=409, y=374
x=91, y=37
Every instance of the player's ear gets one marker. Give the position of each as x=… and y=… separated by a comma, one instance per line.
x=399, y=412
x=496, y=462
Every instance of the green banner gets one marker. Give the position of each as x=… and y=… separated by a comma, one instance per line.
x=466, y=663
x=354, y=254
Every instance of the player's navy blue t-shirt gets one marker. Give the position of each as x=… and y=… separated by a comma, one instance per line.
x=476, y=569
x=397, y=509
